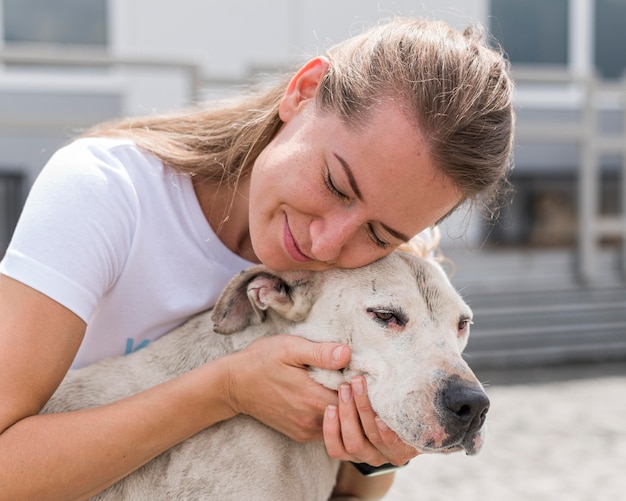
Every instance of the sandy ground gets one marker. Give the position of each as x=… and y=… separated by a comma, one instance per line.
x=563, y=440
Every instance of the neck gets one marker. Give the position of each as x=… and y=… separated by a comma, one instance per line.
x=226, y=210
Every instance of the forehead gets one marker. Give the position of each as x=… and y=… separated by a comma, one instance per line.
x=401, y=280
x=393, y=275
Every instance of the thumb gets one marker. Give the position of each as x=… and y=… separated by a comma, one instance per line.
x=331, y=356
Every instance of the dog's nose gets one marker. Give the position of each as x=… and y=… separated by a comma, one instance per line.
x=466, y=404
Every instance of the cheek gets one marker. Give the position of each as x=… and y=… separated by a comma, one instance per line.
x=268, y=173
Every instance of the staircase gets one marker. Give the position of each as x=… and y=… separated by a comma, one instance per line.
x=529, y=310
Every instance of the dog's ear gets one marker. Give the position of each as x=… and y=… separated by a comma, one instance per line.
x=249, y=295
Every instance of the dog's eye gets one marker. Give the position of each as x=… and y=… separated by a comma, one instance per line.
x=388, y=317
x=385, y=316
x=464, y=325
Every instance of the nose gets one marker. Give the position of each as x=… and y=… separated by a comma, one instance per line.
x=329, y=235
x=466, y=406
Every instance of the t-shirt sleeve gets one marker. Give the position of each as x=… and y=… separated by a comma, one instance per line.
x=76, y=228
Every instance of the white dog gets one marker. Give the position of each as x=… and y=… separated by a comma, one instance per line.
x=406, y=327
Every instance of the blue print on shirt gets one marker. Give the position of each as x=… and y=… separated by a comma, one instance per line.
x=130, y=345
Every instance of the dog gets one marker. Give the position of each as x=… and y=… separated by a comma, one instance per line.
x=406, y=326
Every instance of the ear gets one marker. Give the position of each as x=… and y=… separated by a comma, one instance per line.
x=302, y=87
x=249, y=295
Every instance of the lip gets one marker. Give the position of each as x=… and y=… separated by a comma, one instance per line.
x=291, y=246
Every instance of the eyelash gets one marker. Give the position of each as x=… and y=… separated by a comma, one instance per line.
x=380, y=243
x=328, y=181
x=332, y=188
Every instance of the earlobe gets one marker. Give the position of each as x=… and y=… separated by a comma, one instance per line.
x=302, y=87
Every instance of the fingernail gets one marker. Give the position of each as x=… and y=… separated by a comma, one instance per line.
x=337, y=353
x=331, y=412
x=346, y=392
x=357, y=385
x=381, y=424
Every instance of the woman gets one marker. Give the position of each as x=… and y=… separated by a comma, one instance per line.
x=138, y=225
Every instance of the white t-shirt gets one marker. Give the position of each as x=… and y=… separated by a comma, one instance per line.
x=119, y=239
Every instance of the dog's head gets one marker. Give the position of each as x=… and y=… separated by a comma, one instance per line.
x=406, y=326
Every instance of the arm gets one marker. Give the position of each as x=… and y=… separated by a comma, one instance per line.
x=74, y=455
x=350, y=482
x=60, y=456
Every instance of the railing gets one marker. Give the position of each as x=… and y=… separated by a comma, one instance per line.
x=589, y=96
x=80, y=57
x=197, y=83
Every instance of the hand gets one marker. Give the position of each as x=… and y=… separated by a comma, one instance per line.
x=353, y=431
x=269, y=381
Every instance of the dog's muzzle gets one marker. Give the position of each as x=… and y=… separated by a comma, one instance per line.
x=463, y=409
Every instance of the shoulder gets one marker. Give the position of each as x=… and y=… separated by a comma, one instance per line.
x=99, y=168
x=98, y=153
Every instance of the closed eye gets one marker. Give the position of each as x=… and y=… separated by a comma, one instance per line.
x=388, y=316
x=341, y=196
x=374, y=237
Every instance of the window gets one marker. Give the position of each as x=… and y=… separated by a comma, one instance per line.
x=610, y=31
x=81, y=22
x=537, y=31
x=531, y=31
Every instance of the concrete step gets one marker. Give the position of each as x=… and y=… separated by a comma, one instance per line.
x=574, y=326
x=536, y=314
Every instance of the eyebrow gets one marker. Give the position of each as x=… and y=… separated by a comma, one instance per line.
x=355, y=188
x=395, y=233
x=350, y=176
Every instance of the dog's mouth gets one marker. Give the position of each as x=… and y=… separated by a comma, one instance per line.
x=470, y=443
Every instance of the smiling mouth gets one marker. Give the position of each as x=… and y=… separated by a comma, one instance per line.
x=292, y=247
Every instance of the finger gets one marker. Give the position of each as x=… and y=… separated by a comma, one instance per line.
x=366, y=413
x=355, y=442
x=331, y=356
x=332, y=434
x=396, y=451
x=384, y=439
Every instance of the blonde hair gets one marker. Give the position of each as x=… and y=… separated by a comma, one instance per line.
x=424, y=244
x=455, y=88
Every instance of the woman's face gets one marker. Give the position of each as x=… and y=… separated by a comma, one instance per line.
x=325, y=195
